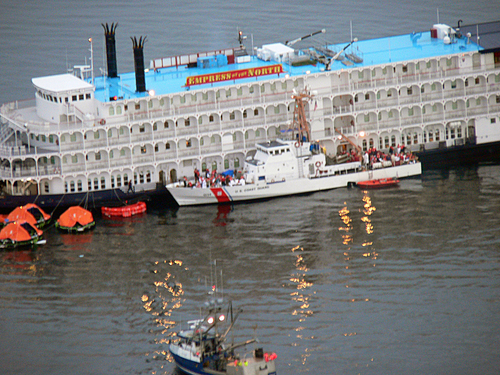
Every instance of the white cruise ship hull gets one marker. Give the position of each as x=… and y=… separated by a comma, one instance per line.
x=186, y=196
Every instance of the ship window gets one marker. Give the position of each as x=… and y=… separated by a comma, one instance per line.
x=277, y=110
x=240, y=91
x=410, y=111
x=142, y=129
x=262, y=88
x=98, y=155
x=211, y=118
x=148, y=176
x=434, y=108
x=360, y=75
x=118, y=110
x=110, y=134
x=423, y=110
x=125, y=179
x=384, y=71
x=80, y=97
x=79, y=185
x=73, y=98
x=66, y=187
x=459, y=132
x=112, y=182
x=452, y=133
x=365, y=146
x=111, y=154
x=203, y=166
x=373, y=73
x=417, y=66
x=389, y=94
x=65, y=99
x=226, y=164
x=380, y=116
x=236, y=163
x=156, y=148
x=96, y=183
x=453, y=84
x=103, y=183
x=167, y=146
x=89, y=184
x=245, y=113
x=478, y=101
x=46, y=186
x=257, y=133
x=96, y=135
x=415, y=138
x=122, y=152
x=393, y=141
x=122, y=131
x=51, y=139
x=437, y=135
x=428, y=64
x=188, y=143
x=72, y=186
x=431, y=135
x=454, y=105
x=367, y=118
x=228, y=93
x=217, y=95
x=425, y=136
x=52, y=160
x=386, y=141
x=246, y=135
x=367, y=96
x=141, y=177
x=204, y=96
x=231, y=116
x=200, y=120
x=371, y=142
x=137, y=106
x=212, y=139
x=74, y=159
x=493, y=120
x=143, y=149
x=87, y=96
x=255, y=112
x=497, y=99
x=356, y=99
x=408, y=139
x=119, y=180
x=234, y=137
x=433, y=87
x=409, y=91
x=390, y=114
x=405, y=69
x=72, y=137
x=150, y=104
x=202, y=141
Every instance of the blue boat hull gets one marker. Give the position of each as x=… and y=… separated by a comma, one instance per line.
x=93, y=199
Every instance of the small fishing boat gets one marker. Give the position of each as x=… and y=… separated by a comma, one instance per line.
x=380, y=183
x=75, y=219
x=205, y=349
x=125, y=211
x=30, y=213
x=20, y=233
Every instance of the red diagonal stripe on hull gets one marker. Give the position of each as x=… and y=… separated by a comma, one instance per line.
x=220, y=195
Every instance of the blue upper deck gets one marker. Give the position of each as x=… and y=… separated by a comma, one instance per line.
x=373, y=52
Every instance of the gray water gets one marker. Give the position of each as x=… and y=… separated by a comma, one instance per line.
x=401, y=281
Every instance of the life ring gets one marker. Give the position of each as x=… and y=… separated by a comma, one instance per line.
x=318, y=164
x=297, y=144
x=102, y=122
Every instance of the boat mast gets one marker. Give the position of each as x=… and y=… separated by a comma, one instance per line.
x=299, y=117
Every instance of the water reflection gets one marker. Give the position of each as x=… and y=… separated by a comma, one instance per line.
x=166, y=298
x=301, y=298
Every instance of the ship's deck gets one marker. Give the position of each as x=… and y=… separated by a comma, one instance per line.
x=373, y=52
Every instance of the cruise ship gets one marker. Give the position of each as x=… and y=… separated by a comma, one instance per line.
x=88, y=138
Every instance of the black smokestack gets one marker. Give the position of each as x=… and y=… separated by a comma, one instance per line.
x=140, y=79
x=109, y=33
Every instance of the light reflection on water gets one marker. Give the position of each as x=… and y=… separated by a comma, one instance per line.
x=318, y=286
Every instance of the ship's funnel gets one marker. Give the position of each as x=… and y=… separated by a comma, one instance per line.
x=140, y=79
x=109, y=33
